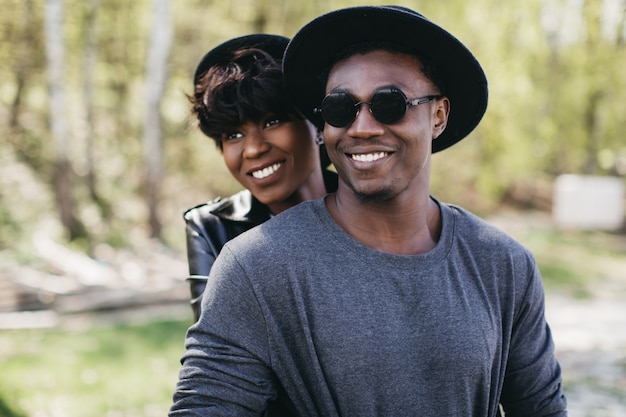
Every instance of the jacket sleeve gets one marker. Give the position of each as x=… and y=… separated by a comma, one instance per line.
x=225, y=370
x=201, y=253
x=532, y=383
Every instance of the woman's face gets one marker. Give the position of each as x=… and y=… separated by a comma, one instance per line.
x=273, y=158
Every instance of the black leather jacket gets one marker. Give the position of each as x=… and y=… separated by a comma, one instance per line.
x=210, y=225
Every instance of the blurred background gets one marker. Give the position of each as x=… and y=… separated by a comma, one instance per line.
x=98, y=161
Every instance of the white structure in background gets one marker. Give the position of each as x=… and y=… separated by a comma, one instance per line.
x=563, y=20
x=588, y=202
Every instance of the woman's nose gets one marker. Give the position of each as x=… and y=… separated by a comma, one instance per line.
x=255, y=145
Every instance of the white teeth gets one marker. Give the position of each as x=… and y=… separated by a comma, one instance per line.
x=266, y=172
x=369, y=157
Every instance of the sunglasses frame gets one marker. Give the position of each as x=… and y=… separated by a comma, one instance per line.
x=356, y=105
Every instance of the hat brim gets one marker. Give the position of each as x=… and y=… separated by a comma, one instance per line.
x=272, y=44
x=314, y=47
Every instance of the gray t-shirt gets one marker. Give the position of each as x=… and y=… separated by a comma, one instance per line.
x=298, y=304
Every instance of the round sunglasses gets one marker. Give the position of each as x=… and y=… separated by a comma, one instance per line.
x=388, y=105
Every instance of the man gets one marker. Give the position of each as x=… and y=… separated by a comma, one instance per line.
x=377, y=300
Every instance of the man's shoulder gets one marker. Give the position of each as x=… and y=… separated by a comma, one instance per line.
x=498, y=255
x=287, y=228
x=295, y=219
x=470, y=227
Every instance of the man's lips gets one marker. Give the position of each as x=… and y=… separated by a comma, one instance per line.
x=267, y=171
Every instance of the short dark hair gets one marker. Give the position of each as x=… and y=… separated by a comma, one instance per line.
x=246, y=88
x=428, y=67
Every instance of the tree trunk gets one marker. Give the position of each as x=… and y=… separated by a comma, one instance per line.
x=62, y=178
x=22, y=64
x=593, y=48
x=88, y=65
x=592, y=129
x=156, y=77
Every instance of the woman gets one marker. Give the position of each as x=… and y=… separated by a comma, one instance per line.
x=268, y=147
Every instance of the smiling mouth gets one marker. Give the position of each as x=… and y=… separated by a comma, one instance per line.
x=368, y=157
x=267, y=171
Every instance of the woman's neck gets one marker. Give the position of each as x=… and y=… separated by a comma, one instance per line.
x=311, y=189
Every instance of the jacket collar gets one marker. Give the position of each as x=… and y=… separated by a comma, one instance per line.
x=241, y=207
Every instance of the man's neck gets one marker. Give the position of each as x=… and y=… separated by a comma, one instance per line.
x=402, y=226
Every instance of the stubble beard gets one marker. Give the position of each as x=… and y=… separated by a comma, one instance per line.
x=375, y=197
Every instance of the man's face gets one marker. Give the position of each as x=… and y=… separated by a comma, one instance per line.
x=381, y=161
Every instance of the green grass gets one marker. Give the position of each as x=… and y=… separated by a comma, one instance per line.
x=121, y=371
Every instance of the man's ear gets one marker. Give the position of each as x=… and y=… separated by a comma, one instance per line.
x=441, y=113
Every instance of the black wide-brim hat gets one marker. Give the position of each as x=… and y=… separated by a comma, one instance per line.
x=315, y=46
x=223, y=53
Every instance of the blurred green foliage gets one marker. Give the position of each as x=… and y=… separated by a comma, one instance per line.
x=7, y=410
x=557, y=103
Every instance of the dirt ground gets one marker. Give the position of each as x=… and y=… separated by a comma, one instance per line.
x=590, y=338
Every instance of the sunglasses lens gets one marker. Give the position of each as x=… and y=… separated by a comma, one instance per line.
x=338, y=109
x=388, y=105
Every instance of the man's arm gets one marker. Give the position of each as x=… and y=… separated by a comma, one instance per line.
x=532, y=384
x=226, y=365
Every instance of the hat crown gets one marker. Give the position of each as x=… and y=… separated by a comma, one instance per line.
x=221, y=54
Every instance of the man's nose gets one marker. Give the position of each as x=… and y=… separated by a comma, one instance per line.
x=365, y=124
